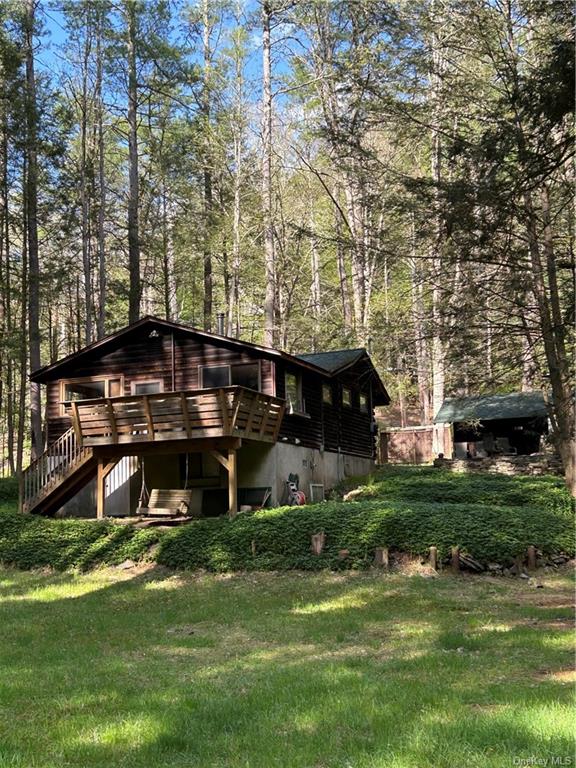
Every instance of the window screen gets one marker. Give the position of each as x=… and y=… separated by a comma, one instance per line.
x=327, y=394
x=215, y=376
x=364, y=403
x=346, y=396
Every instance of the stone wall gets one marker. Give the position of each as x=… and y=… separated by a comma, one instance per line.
x=540, y=464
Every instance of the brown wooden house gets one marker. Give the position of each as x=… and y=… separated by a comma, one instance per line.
x=165, y=406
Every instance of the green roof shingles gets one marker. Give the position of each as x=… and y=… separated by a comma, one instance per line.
x=517, y=405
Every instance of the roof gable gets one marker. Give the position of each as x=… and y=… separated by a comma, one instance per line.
x=121, y=337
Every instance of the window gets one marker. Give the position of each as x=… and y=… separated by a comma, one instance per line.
x=327, y=394
x=87, y=389
x=347, y=397
x=293, y=385
x=215, y=376
x=240, y=375
x=364, y=403
x=246, y=375
x=147, y=387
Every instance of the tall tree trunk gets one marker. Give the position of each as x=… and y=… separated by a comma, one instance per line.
x=135, y=289
x=545, y=290
x=101, y=233
x=233, y=320
x=438, y=352
x=343, y=275
x=315, y=287
x=207, y=171
x=85, y=203
x=31, y=206
x=420, y=344
x=270, y=331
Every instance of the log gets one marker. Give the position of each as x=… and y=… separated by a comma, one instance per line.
x=470, y=563
x=381, y=557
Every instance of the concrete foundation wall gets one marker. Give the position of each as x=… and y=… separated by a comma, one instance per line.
x=260, y=465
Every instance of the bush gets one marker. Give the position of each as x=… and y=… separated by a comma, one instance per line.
x=9, y=490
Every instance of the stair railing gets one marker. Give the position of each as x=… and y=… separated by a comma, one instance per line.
x=44, y=474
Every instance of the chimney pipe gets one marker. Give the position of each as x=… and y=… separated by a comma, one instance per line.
x=220, y=324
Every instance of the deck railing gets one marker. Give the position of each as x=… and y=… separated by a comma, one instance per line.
x=186, y=415
x=61, y=459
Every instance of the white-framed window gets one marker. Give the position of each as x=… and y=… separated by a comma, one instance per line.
x=293, y=389
x=89, y=388
x=364, y=402
x=347, y=397
x=327, y=394
x=147, y=387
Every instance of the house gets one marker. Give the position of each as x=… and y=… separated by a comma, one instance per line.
x=160, y=405
x=488, y=425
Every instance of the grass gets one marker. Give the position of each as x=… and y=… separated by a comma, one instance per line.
x=150, y=669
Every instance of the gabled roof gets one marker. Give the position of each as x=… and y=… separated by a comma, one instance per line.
x=339, y=360
x=108, y=343
x=155, y=323
x=335, y=360
x=517, y=405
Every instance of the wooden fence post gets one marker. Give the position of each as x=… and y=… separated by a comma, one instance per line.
x=455, y=560
x=434, y=558
x=531, y=558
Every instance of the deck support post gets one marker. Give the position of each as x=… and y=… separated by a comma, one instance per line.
x=100, y=489
x=232, y=483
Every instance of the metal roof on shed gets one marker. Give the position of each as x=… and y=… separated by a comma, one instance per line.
x=517, y=405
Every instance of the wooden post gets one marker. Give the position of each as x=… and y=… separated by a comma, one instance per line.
x=381, y=559
x=253, y=547
x=76, y=423
x=149, y=419
x=434, y=558
x=318, y=541
x=232, y=483
x=100, y=489
x=455, y=559
x=531, y=558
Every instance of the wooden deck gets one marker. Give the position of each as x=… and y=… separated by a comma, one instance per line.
x=168, y=416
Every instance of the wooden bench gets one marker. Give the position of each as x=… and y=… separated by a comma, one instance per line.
x=167, y=503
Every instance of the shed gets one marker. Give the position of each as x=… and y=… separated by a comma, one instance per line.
x=487, y=425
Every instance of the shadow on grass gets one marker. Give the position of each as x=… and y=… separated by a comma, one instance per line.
x=257, y=670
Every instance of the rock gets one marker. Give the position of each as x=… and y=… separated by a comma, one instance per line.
x=495, y=568
x=524, y=576
x=126, y=565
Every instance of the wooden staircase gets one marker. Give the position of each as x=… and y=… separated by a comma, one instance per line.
x=57, y=474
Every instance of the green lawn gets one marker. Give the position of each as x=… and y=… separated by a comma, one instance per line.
x=352, y=670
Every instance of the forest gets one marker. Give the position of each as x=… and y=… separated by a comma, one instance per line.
x=395, y=174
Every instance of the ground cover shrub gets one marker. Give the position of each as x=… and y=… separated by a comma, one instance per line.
x=492, y=518
x=280, y=538
x=29, y=541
